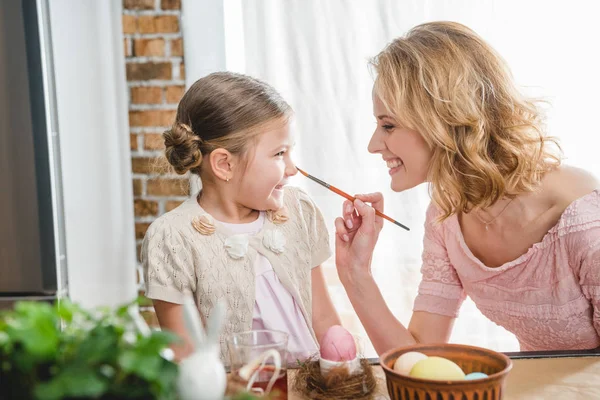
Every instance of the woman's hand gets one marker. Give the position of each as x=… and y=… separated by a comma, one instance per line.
x=356, y=235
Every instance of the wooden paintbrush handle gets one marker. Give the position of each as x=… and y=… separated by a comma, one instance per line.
x=347, y=196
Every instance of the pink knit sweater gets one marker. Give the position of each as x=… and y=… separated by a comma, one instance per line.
x=548, y=297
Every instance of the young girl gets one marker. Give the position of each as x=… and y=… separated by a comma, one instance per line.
x=246, y=237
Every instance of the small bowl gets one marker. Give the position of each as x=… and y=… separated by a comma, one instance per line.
x=469, y=359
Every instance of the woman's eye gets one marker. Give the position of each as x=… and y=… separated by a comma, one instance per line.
x=280, y=154
x=388, y=127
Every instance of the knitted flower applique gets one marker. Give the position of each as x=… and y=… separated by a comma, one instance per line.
x=237, y=246
x=278, y=217
x=205, y=224
x=274, y=240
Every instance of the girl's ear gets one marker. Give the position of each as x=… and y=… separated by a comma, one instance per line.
x=222, y=163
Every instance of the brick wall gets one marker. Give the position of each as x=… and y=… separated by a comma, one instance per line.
x=155, y=77
x=153, y=47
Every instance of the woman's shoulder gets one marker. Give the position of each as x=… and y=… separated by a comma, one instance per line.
x=433, y=217
x=568, y=184
x=575, y=194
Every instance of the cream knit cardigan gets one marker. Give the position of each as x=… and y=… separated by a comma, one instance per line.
x=186, y=251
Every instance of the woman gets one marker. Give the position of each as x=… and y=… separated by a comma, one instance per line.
x=508, y=225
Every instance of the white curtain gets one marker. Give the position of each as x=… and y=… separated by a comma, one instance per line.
x=91, y=102
x=315, y=53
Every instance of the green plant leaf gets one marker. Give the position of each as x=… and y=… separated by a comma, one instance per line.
x=75, y=381
x=167, y=379
x=100, y=345
x=35, y=325
x=4, y=339
x=132, y=387
x=147, y=366
x=97, y=353
x=66, y=310
x=24, y=361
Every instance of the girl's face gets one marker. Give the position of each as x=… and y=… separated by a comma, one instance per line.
x=404, y=150
x=269, y=167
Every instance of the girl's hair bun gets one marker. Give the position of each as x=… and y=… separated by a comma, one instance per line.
x=182, y=148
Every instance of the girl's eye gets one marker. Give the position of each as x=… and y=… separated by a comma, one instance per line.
x=280, y=154
x=388, y=127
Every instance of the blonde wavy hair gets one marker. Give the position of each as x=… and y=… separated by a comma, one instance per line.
x=487, y=139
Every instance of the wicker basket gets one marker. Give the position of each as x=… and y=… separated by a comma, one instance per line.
x=469, y=359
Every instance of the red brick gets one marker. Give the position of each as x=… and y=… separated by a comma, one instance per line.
x=158, y=24
x=177, y=47
x=149, y=165
x=154, y=141
x=168, y=187
x=144, y=208
x=133, y=143
x=137, y=187
x=129, y=24
x=181, y=71
x=140, y=229
x=151, y=117
x=172, y=204
x=170, y=4
x=149, y=47
x=146, y=95
x=149, y=70
x=174, y=93
x=138, y=4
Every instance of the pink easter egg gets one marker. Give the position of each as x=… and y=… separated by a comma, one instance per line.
x=338, y=344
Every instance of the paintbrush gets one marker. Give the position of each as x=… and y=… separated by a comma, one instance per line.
x=347, y=196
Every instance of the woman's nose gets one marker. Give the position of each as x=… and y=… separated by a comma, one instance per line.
x=376, y=144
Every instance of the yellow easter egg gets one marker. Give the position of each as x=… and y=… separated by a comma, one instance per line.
x=438, y=369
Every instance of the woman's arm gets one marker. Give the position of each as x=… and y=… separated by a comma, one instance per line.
x=324, y=314
x=356, y=236
x=384, y=329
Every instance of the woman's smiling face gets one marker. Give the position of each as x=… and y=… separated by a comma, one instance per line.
x=404, y=150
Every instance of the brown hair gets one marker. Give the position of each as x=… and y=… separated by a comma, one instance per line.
x=220, y=110
x=487, y=139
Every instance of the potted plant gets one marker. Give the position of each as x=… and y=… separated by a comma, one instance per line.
x=61, y=351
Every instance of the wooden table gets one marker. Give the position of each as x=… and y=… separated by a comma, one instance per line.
x=562, y=378
x=555, y=378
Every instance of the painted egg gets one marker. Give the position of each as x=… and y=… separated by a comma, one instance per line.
x=406, y=362
x=338, y=344
x=437, y=368
x=475, y=375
